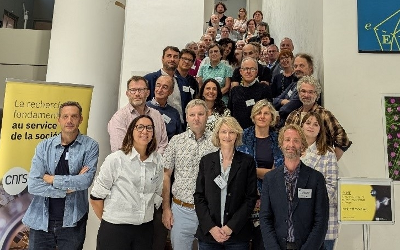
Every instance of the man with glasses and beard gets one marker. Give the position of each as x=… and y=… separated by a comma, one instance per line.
x=301, y=220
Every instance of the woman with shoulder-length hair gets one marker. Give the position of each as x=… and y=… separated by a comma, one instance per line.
x=127, y=190
x=226, y=191
x=262, y=143
x=320, y=156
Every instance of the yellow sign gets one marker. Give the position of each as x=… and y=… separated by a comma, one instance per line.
x=30, y=115
x=357, y=203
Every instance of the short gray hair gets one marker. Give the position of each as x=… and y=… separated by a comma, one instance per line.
x=312, y=81
x=196, y=102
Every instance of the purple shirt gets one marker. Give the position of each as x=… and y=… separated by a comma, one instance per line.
x=119, y=123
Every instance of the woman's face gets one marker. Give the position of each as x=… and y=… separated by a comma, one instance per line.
x=286, y=61
x=210, y=92
x=263, y=118
x=311, y=127
x=214, y=54
x=227, y=49
x=242, y=13
x=227, y=136
x=141, y=134
x=251, y=26
x=258, y=17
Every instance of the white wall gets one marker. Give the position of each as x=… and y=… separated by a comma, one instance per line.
x=176, y=23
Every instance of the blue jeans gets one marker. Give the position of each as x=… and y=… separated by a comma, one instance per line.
x=329, y=244
x=224, y=246
x=184, y=227
x=64, y=238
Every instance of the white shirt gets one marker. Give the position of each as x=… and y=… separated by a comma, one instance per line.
x=131, y=187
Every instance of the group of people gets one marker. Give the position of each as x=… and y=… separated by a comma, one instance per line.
x=214, y=146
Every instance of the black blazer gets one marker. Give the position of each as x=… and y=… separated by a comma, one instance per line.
x=310, y=216
x=240, y=200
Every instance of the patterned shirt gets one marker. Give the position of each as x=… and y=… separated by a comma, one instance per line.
x=335, y=133
x=214, y=117
x=290, y=183
x=327, y=165
x=183, y=155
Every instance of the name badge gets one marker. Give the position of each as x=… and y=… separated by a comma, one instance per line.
x=220, y=182
x=191, y=91
x=193, y=66
x=186, y=89
x=304, y=193
x=250, y=102
x=289, y=93
x=166, y=118
x=154, y=179
x=66, y=156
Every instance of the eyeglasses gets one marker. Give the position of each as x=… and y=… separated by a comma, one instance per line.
x=252, y=70
x=187, y=59
x=141, y=127
x=140, y=91
x=163, y=87
x=310, y=92
x=225, y=31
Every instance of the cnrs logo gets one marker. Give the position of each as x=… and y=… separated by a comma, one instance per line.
x=15, y=180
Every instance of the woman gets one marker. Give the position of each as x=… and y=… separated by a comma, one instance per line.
x=128, y=188
x=229, y=53
x=225, y=191
x=251, y=30
x=282, y=80
x=258, y=17
x=321, y=157
x=196, y=65
x=263, y=57
x=239, y=24
x=211, y=93
x=216, y=69
x=262, y=142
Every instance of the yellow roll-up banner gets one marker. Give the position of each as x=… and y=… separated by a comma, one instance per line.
x=30, y=115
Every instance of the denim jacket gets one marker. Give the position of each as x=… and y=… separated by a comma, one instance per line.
x=83, y=152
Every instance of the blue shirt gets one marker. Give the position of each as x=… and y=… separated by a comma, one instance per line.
x=83, y=152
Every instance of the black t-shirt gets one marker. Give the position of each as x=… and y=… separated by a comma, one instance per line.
x=264, y=156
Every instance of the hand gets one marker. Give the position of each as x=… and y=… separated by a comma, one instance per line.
x=284, y=101
x=48, y=178
x=84, y=170
x=218, y=234
x=227, y=230
x=167, y=218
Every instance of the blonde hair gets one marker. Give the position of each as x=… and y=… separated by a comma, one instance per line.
x=233, y=124
x=260, y=105
x=299, y=131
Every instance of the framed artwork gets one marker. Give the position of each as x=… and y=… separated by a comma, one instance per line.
x=378, y=26
x=9, y=20
x=391, y=104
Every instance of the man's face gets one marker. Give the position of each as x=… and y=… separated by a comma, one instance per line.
x=220, y=9
x=261, y=29
x=212, y=32
x=202, y=47
x=249, y=51
x=301, y=67
x=291, y=145
x=163, y=88
x=307, y=94
x=248, y=71
x=240, y=44
x=224, y=32
x=272, y=53
x=214, y=19
x=287, y=44
x=229, y=22
x=69, y=119
x=186, y=61
x=207, y=40
x=170, y=60
x=196, y=118
x=137, y=93
x=194, y=47
x=265, y=41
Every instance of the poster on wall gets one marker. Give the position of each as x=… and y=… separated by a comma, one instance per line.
x=365, y=201
x=378, y=26
x=391, y=111
x=30, y=115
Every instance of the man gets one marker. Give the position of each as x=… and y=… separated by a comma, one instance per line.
x=243, y=97
x=183, y=156
x=211, y=31
x=289, y=100
x=309, y=91
x=285, y=44
x=183, y=90
x=220, y=9
x=164, y=88
x=201, y=53
x=265, y=39
x=62, y=170
x=261, y=28
x=207, y=39
x=233, y=34
x=263, y=73
x=273, y=53
x=294, y=209
x=137, y=92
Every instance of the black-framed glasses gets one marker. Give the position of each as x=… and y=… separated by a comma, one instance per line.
x=140, y=91
x=141, y=127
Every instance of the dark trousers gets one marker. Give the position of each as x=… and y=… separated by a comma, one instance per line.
x=224, y=246
x=257, y=242
x=124, y=236
x=64, y=238
x=160, y=231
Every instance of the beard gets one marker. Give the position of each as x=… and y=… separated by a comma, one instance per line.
x=292, y=155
